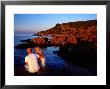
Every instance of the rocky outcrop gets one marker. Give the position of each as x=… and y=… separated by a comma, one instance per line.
x=28, y=40
x=73, y=32
x=67, y=33
x=84, y=54
x=38, y=41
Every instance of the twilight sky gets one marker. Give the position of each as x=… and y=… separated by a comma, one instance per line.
x=32, y=23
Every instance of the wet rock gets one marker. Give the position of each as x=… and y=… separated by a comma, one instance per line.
x=28, y=40
x=84, y=54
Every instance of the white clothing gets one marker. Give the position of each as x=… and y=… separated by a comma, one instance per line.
x=33, y=65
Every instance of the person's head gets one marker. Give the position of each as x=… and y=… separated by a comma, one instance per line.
x=29, y=50
x=37, y=49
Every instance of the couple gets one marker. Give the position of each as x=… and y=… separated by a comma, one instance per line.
x=33, y=62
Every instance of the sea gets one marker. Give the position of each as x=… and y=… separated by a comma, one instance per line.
x=55, y=65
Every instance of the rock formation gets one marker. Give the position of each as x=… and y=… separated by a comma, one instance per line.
x=68, y=33
x=72, y=31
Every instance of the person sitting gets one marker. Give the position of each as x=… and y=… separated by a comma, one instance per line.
x=40, y=55
x=31, y=62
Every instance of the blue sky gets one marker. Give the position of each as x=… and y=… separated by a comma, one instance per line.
x=32, y=23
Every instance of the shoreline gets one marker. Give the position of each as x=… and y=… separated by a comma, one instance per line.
x=77, y=43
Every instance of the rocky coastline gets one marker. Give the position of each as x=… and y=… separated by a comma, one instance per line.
x=66, y=33
x=77, y=42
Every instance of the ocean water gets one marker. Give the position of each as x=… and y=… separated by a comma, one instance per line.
x=18, y=37
x=55, y=64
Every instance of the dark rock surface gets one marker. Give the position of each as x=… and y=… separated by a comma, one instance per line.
x=84, y=54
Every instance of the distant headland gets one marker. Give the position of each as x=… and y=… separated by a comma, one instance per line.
x=64, y=34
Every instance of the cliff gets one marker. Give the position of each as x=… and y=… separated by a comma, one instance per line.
x=73, y=31
x=67, y=33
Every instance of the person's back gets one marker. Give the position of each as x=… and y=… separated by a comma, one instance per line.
x=31, y=61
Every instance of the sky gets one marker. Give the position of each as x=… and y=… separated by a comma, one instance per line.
x=33, y=23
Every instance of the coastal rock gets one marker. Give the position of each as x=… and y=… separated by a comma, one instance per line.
x=73, y=33
x=72, y=40
x=57, y=40
x=28, y=40
x=84, y=55
x=38, y=41
x=83, y=30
